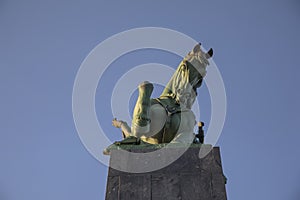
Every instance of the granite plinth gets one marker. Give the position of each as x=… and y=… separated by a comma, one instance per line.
x=189, y=177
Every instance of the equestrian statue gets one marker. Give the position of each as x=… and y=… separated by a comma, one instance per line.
x=168, y=118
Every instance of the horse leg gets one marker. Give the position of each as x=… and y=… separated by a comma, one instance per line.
x=141, y=114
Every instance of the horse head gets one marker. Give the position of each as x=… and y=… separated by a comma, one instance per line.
x=188, y=77
x=198, y=59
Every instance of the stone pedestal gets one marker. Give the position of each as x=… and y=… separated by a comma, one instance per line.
x=189, y=177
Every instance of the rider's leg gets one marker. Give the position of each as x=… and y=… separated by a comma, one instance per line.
x=185, y=133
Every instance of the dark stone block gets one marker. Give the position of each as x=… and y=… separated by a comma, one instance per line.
x=188, y=177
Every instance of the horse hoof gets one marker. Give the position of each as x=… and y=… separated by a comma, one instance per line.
x=146, y=84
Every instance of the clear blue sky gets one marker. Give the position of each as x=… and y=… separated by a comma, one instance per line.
x=43, y=43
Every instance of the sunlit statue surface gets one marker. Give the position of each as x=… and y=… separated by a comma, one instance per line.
x=168, y=118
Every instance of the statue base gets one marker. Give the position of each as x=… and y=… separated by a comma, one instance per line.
x=188, y=177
